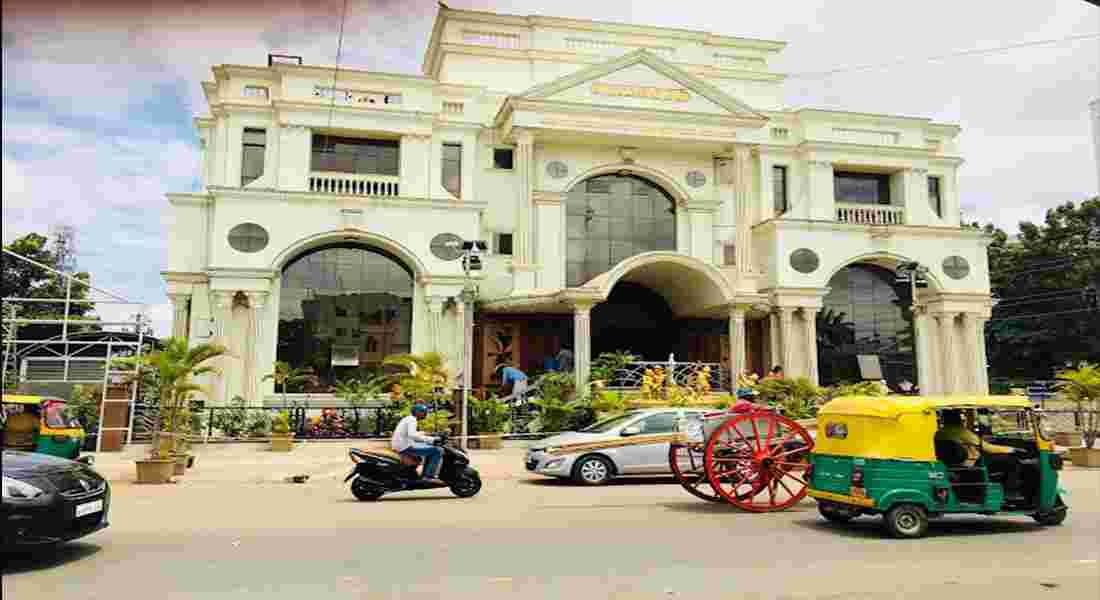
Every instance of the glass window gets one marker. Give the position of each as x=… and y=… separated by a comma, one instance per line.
x=610, y=218
x=659, y=423
x=609, y=424
x=248, y=237
x=503, y=158
x=861, y=188
x=452, y=169
x=934, y=198
x=372, y=288
x=779, y=185
x=360, y=156
x=252, y=155
x=504, y=244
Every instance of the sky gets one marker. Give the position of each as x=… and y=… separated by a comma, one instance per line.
x=99, y=96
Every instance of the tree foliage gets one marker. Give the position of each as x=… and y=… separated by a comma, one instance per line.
x=1043, y=319
x=23, y=280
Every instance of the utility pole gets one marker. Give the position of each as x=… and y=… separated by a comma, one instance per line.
x=471, y=261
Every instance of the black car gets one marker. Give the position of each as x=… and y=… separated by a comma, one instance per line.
x=49, y=500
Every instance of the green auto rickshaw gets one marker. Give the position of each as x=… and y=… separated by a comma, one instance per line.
x=910, y=459
x=41, y=424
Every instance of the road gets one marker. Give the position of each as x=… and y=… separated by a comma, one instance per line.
x=533, y=538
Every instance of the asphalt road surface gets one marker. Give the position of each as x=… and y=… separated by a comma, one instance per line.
x=534, y=538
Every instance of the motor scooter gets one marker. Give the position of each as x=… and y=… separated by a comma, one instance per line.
x=381, y=471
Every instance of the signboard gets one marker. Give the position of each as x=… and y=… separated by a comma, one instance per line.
x=345, y=356
x=638, y=91
x=869, y=367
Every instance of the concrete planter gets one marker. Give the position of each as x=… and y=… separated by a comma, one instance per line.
x=1069, y=439
x=1085, y=457
x=282, y=443
x=158, y=470
x=488, y=442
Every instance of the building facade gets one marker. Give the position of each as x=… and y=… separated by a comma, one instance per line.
x=641, y=189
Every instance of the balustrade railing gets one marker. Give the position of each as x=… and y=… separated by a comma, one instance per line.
x=351, y=184
x=680, y=373
x=861, y=214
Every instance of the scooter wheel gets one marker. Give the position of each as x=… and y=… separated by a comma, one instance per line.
x=365, y=492
x=467, y=485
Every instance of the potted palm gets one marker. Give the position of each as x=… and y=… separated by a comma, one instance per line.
x=282, y=439
x=172, y=368
x=284, y=376
x=1082, y=387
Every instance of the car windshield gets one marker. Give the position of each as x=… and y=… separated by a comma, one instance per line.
x=609, y=424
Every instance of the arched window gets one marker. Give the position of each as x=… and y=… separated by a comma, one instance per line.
x=610, y=218
x=865, y=313
x=343, y=309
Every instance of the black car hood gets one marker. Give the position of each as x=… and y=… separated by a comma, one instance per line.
x=15, y=461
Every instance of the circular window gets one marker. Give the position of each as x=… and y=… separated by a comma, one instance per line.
x=696, y=179
x=804, y=260
x=557, y=169
x=248, y=237
x=956, y=267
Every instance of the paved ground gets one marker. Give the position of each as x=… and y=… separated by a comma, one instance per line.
x=233, y=532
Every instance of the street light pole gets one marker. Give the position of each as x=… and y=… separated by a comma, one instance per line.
x=471, y=261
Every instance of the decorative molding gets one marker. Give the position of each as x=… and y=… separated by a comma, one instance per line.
x=695, y=179
x=557, y=169
x=543, y=197
x=185, y=277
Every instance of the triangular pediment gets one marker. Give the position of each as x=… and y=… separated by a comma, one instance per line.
x=641, y=79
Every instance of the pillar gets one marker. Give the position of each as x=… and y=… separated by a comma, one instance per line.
x=738, y=356
x=223, y=316
x=980, y=356
x=523, y=251
x=181, y=314
x=923, y=344
x=946, y=371
x=743, y=202
x=786, y=315
x=257, y=302
x=582, y=339
x=774, y=346
x=809, y=318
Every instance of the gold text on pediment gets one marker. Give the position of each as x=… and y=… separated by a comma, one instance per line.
x=637, y=91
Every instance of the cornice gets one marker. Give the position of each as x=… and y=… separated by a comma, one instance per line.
x=190, y=198
x=892, y=151
x=238, y=273
x=243, y=107
x=671, y=116
x=343, y=75
x=450, y=204
x=790, y=224
x=184, y=277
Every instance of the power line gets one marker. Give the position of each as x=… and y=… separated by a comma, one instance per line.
x=956, y=54
x=336, y=69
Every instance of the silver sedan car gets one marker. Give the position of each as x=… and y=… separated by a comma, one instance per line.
x=601, y=466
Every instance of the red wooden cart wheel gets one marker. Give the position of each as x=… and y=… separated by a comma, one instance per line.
x=686, y=463
x=755, y=461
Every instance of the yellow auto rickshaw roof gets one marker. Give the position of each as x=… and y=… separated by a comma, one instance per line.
x=27, y=399
x=891, y=407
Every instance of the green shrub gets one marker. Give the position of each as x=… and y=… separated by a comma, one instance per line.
x=280, y=423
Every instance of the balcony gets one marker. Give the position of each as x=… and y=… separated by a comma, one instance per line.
x=350, y=184
x=870, y=214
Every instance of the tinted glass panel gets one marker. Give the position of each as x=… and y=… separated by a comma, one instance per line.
x=350, y=155
x=934, y=196
x=503, y=158
x=779, y=183
x=861, y=188
x=452, y=169
x=252, y=155
x=342, y=310
x=610, y=218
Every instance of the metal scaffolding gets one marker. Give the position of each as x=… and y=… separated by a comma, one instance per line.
x=74, y=357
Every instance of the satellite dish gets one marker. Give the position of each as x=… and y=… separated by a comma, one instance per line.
x=446, y=246
x=496, y=287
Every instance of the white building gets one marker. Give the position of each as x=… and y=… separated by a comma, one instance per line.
x=642, y=188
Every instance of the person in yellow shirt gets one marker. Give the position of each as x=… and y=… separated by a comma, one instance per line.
x=996, y=457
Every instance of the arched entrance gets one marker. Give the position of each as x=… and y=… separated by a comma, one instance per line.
x=610, y=218
x=866, y=312
x=343, y=308
x=636, y=319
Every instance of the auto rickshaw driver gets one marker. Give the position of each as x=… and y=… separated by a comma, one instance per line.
x=996, y=458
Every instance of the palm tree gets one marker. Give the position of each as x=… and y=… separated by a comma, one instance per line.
x=171, y=369
x=1082, y=386
x=283, y=375
x=424, y=376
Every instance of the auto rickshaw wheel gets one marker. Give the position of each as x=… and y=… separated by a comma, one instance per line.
x=756, y=461
x=1055, y=517
x=835, y=513
x=906, y=521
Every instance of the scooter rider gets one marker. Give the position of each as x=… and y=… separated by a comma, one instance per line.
x=407, y=440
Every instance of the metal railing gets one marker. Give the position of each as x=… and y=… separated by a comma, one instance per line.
x=680, y=373
x=865, y=214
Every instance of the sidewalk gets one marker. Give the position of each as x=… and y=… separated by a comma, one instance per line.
x=249, y=462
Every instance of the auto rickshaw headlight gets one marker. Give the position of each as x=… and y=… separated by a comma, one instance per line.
x=20, y=490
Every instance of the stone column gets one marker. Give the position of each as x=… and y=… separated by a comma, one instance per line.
x=946, y=371
x=809, y=318
x=981, y=358
x=582, y=339
x=523, y=251
x=737, y=343
x=774, y=342
x=743, y=202
x=922, y=346
x=223, y=315
x=787, y=341
x=257, y=302
x=181, y=314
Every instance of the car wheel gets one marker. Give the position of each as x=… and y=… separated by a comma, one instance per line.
x=907, y=521
x=1055, y=517
x=364, y=491
x=592, y=470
